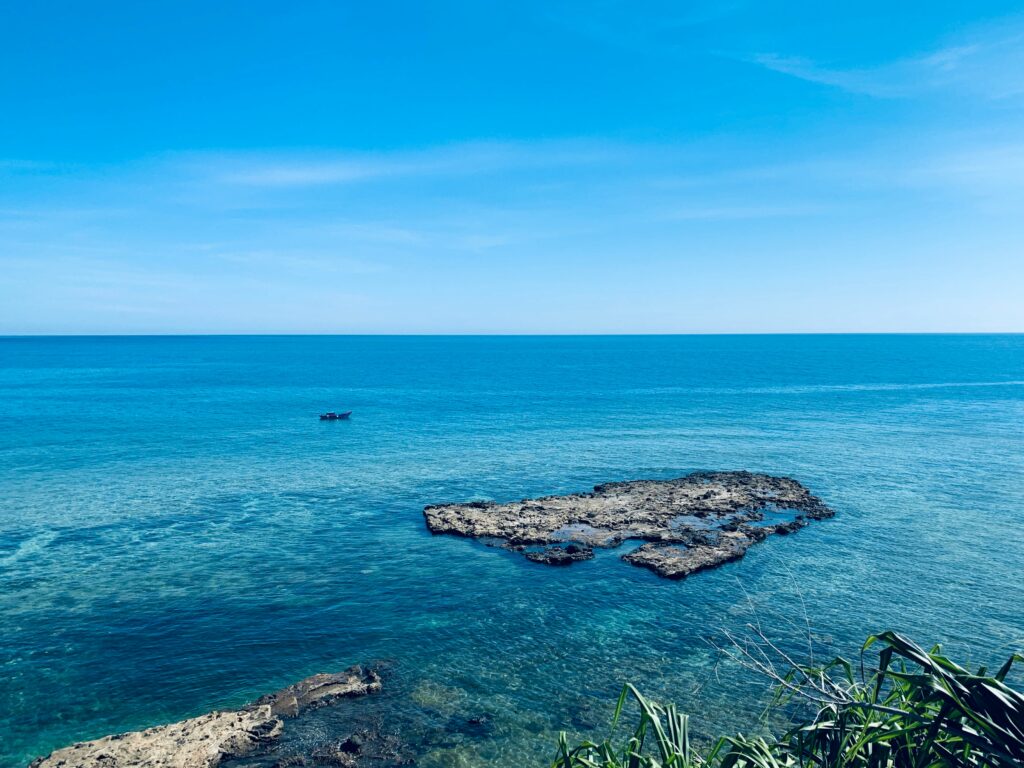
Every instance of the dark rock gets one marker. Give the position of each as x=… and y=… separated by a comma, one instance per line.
x=333, y=755
x=690, y=523
x=374, y=747
x=353, y=744
x=480, y=725
x=556, y=555
x=475, y=726
x=792, y=526
x=291, y=761
x=675, y=562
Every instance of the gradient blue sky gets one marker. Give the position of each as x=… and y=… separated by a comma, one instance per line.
x=528, y=167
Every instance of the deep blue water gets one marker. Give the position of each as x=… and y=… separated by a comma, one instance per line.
x=178, y=531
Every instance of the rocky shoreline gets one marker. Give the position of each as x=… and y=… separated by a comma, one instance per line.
x=687, y=524
x=209, y=740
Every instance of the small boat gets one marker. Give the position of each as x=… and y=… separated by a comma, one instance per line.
x=332, y=416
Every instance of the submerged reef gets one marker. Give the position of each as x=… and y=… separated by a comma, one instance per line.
x=687, y=524
x=211, y=739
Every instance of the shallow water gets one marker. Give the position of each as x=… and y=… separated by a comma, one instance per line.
x=178, y=531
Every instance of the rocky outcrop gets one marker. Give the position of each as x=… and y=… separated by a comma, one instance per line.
x=320, y=690
x=201, y=742
x=209, y=740
x=678, y=562
x=557, y=555
x=370, y=747
x=690, y=523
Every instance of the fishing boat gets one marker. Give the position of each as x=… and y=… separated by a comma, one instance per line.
x=332, y=416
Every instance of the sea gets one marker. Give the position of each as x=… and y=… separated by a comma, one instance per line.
x=179, y=532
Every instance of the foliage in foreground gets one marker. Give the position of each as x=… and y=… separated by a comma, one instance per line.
x=917, y=709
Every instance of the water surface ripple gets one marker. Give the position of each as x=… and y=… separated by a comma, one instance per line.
x=179, y=532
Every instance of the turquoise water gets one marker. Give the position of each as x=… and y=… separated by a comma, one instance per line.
x=178, y=531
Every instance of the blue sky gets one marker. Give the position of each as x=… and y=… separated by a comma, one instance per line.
x=529, y=167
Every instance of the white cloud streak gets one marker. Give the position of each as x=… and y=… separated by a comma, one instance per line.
x=987, y=62
x=467, y=159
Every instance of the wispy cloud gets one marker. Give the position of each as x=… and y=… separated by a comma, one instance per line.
x=334, y=168
x=183, y=252
x=987, y=62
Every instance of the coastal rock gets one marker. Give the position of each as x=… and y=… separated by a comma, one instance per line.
x=208, y=740
x=679, y=561
x=201, y=742
x=556, y=555
x=320, y=690
x=372, y=747
x=689, y=523
x=291, y=761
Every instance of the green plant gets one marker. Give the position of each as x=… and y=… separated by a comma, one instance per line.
x=915, y=709
x=668, y=729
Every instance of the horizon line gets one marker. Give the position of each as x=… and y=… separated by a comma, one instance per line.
x=492, y=334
